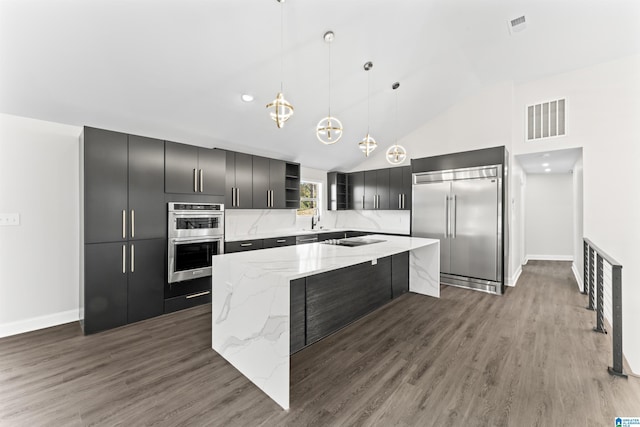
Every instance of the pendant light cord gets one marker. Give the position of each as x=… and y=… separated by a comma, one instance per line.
x=281, y=46
x=396, y=117
x=329, y=79
x=368, y=101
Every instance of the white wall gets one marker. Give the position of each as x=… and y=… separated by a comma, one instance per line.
x=480, y=121
x=39, y=169
x=549, y=217
x=603, y=106
x=578, y=223
x=517, y=236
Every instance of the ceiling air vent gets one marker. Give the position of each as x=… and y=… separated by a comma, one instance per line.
x=546, y=120
x=518, y=24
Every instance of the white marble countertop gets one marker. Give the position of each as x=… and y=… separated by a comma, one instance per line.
x=292, y=262
x=296, y=232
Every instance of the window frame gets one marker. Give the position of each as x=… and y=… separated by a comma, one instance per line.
x=317, y=199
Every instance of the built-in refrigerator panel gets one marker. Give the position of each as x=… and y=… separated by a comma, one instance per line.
x=430, y=200
x=474, y=228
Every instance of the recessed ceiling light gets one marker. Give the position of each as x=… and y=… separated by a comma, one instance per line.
x=547, y=170
x=544, y=165
x=246, y=97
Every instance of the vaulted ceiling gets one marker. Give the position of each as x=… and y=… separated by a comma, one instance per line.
x=175, y=69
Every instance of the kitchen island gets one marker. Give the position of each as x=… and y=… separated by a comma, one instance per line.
x=253, y=309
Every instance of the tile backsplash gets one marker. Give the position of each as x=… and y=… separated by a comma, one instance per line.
x=249, y=222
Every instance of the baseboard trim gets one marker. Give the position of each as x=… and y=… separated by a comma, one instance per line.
x=576, y=274
x=35, y=323
x=548, y=258
x=513, y=280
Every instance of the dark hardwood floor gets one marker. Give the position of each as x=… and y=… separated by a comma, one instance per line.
x=528, y=358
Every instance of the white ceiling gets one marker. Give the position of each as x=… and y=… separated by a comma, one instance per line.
x=175, y=69
x=557, y=161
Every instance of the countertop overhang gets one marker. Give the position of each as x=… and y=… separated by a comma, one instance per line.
x=292, y=262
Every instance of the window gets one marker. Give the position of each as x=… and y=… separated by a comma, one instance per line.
x=309, y=198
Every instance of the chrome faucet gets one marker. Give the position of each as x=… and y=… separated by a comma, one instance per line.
x=314, y=222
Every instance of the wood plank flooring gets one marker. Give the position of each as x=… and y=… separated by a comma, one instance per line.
x=528, y=358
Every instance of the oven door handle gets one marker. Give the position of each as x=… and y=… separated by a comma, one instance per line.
x=181, y=240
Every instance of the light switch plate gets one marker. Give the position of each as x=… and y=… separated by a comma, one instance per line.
x=374, y=261
x=9, y=219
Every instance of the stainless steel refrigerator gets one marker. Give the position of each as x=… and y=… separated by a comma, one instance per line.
x=463, y=209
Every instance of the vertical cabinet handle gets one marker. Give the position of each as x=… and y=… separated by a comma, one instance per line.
x=124, y=259
x=195, y=181
x=201, y=180
x=124, y=223
x=133, y=259
x=237, y=197
x=404, y=206
x=362, y=202
x=133, y=223
x=233, y=196
x=399, y=201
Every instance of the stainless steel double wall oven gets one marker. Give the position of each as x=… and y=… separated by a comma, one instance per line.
x=195, y=234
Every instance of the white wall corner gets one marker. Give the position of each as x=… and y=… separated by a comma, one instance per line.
x=41, y=322
x=578, y=276
x=514, y=278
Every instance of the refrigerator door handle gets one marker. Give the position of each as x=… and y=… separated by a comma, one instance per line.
x=453, y=219
x=446, y=216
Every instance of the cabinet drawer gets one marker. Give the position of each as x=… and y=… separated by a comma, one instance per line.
x=186, y=301
x=279, y=241
x=244, y=245
x=333, y=235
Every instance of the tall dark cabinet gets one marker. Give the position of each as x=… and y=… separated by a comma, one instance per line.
x=356, y=191
x=124, y=229
x=194, y=170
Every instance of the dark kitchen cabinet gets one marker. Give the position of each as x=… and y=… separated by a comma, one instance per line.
x=105, y=185
x=244, y=245
x=147, y=211
x=239, y=181
x=146, y=275
x=292, y=185
x=192, y=169
x=356, y=190
x=105, y=286
x=337, y=298
x=331, y=235
x=268, y=183
x=337, y=191
x=279, y=241
x=297, y=321
x=400, y=188
x=124, y=228
x=399, y=274
x=376, y=189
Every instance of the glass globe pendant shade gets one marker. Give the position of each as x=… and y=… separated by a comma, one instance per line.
x=329, y=130
x=396, y=154
x=367, y=145
x=282, y=110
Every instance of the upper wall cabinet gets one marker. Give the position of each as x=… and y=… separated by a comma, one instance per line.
x=400, y=188
x=268, y=183
x=383, y=189
x=239, y=181
x=190, y=169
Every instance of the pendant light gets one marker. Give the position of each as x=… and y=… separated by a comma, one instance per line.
x=368, y=144
x=329, y=129
x=282, y=109
x=396, y=154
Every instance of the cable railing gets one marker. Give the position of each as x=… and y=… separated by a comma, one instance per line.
x=603, y=285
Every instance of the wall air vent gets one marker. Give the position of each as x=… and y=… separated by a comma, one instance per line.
x=546, y=120
x=518, y=24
